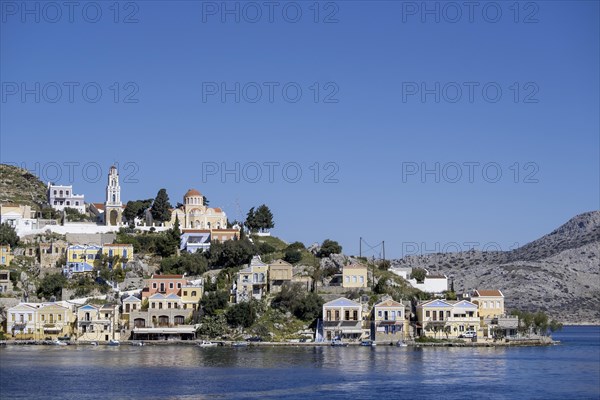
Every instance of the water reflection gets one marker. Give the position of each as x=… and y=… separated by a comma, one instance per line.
x=186, y=372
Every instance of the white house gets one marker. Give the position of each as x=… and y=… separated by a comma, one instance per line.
x=61, y=197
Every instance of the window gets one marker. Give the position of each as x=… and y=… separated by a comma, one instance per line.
x=355, y=315
x=379, y=314
x=169, y=305
x=29, y=317
x=66, y=192
x=427, y=314
x=485, y=304
x=59, y=317
x=171, y=286
x=193, y=293
x=179, y=286
x=347, y=315
x=393, y=315
x=354, y=279
x=76, y=203
x=153, y=305
x=154, y=285
x=185, y=292
x=447, y=314
x=327, y=319
x=337, y=315
x=497, y=303
x=362, y=279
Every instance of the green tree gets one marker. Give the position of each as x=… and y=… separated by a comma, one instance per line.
x=161, y=208
x=231, y=253
x=214, y=301
x=418, y=274
x=329, y=247
x=212, y=326
x=135, y=209
x=186, y=263
x=292, y=256
x=251, y=222
x=264, y=218
x=51, y=285
x=8, y=235
x=241, y=314
x=311, y=308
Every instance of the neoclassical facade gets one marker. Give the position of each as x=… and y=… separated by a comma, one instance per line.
x=195, y=215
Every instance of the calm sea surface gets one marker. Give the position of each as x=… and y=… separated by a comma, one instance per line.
x=568, y=371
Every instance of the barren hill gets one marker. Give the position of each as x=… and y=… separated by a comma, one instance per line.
x=17, y=185
x=558, y=273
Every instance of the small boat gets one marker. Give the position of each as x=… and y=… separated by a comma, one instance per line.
x=338, y=343
x=368, y=343
x=94, y=343
x=57, y=342
x=113, y=342
x=401, y=343
x=137, y=343
x=205, y=343
x=240, y=344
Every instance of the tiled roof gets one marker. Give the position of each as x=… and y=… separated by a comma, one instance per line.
x=192, y=192
x=342, y=302
x=483, y=292
x=167, y=277
x=132, y=298
x=99, y=206
x=118, y=245
x=157, y=296
x=173, y=296
x=217, y=209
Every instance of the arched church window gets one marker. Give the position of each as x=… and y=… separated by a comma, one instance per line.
x=114, y=198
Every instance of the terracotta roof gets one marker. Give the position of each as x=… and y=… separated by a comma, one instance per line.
x=192, y=192
x=484, y=292
x=217, y=209
x=118, y=245
x=167, y=276
x=195, y=231
x=99, y=206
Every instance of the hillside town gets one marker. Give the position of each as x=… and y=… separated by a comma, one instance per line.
x=108, y=272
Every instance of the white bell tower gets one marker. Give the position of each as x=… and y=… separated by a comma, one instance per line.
x=113, y=207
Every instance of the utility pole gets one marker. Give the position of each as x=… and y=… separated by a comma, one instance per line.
x=360, y=247
x=383, y=245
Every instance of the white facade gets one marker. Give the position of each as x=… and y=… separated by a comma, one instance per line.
x=61, y=197
x=21, y=319
x=435, y=284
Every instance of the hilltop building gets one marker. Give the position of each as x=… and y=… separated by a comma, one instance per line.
x=61, y=197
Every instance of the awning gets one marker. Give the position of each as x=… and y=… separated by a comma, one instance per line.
x=165, y=331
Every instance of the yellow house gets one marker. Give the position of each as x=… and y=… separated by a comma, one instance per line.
x=83, y=253
x=191, y=295
x=54, y=320
x=99, y=324
x=490, y=302
x=251, y=282
x=447, y=319
x=389, y=322
x=354, y=276
x=342, y=318
x=5, y=254
x=280, y=272
x=124, y=251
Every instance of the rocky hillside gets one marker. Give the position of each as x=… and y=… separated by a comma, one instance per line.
x=558, y=273
x=18, y=185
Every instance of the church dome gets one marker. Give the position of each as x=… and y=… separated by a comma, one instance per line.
x=192, y=193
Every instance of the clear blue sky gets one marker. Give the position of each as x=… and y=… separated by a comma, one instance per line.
x=371, y=57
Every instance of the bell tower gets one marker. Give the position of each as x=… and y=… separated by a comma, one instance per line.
x=112, y=207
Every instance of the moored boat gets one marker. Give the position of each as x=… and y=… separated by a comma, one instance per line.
x=205, y=343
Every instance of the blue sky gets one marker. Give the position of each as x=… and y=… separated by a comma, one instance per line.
x=161, y=114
